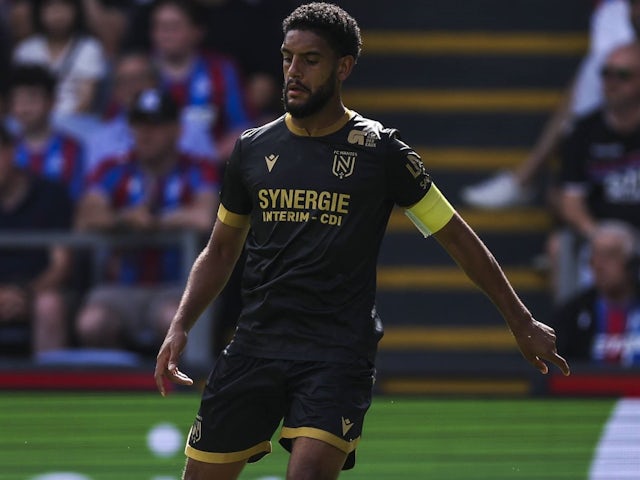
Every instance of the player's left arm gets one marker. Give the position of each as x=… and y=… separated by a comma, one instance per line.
x=536, y=341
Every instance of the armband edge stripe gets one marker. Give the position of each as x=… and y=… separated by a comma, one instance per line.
x=431, y=213
x=232, y=219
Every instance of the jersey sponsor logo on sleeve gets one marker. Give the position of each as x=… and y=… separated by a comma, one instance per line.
x=359, y=137
x=343, y=163
x=271, y=161
x=416, y=169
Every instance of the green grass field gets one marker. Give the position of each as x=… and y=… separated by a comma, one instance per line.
x=106, y=437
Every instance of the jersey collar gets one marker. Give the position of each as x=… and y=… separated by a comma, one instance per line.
x=334, y=127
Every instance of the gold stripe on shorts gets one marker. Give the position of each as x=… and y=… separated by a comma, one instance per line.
x=316, y=433
x=230, y=457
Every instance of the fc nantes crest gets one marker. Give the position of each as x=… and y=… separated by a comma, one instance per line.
x=343, y=163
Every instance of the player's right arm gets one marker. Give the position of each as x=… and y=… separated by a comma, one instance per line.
x=208, y=276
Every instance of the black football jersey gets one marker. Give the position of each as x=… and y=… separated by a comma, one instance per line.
x=318, y=208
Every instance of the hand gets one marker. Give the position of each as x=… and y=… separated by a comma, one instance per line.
x=167, y=360
x=138, y=218
x=537, y=342
x=14, y=303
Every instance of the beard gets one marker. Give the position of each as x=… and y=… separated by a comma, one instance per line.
x=315, y=101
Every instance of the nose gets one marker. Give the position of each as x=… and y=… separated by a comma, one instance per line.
x=294, y=70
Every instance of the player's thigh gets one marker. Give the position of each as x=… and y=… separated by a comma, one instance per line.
x=328, y=403
x=313, y=459
x=195, y=470
x=241, y=407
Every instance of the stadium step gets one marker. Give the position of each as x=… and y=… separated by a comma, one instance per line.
x=470, y=86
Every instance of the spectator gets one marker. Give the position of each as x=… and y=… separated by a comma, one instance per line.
x=599, y=164
x=602, y=323
x=155, y=188
x=33, y=311
x=63, y=45
x=135, y=72
x=260, y=61
x=206, y=86
x=613, y=23
x=42, y=148
x=108, y=21
x=19, y=18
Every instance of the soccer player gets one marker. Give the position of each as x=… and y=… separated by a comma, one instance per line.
x=310, y=195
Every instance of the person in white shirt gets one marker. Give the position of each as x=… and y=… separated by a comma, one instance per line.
x=62, y=44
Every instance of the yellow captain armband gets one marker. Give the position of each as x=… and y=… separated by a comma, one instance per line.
x=431, y=213
x=232, y=219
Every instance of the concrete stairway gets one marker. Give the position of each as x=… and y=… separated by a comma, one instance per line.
x=470, y=85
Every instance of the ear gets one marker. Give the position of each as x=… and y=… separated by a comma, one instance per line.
x=345, y=66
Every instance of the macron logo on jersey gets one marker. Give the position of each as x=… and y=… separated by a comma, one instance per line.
x=271, y=161
x=346, y=426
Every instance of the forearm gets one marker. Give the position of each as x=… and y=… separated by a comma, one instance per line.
x=95, y=213
x=470, y=253
x=209, y=275
x=57, y=272
x=548, y=140
x=576, y=213
x=193, y=218
x=199, y=215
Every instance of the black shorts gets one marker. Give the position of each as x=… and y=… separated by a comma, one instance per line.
x=246, y=398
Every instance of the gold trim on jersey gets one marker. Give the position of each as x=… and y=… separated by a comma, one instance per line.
x=431, y=213
x=334, y=127
x=232, y=219
x=316, y=433
x=210, y=457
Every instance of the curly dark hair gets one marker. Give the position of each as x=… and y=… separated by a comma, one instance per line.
x=330, y=22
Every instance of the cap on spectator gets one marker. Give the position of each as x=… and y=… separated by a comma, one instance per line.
x=154, y=106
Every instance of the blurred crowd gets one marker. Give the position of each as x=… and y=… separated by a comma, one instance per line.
x=118, y=116
x=590, y=148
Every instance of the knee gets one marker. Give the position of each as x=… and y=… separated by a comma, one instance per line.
x=97, y=327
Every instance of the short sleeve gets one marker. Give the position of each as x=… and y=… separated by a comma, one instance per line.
x=408, y=180
x=234, y=195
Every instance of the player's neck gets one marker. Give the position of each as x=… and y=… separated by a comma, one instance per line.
x=320, y=121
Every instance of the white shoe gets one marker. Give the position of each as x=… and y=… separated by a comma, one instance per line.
x=499, y=191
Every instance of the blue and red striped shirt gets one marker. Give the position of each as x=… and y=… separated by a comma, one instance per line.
x=211, y=95
x=127, y=185
x=62, y=160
